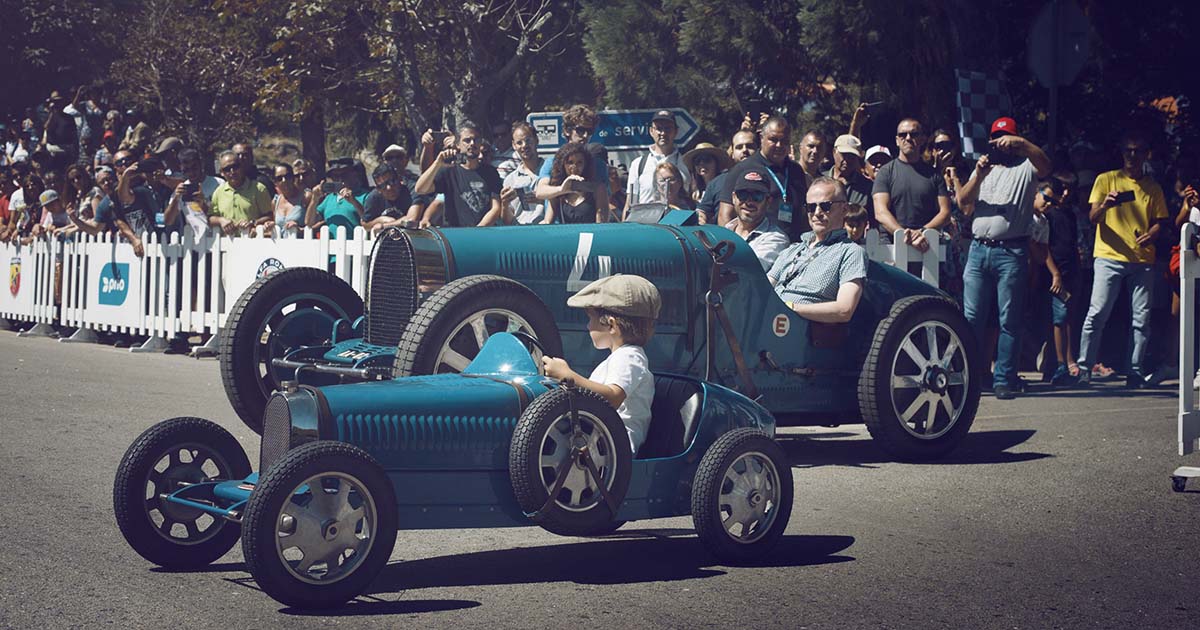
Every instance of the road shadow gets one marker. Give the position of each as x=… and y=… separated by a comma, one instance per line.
x=979, y=447
x=606, y=561
x=216, y=567
x=1048, y=391
x=367, y=605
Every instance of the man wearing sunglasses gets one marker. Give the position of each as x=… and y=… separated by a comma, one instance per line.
x=909, y=194
x=1128, y=210
x=999, y=197
x=579, y=123
x=240, y=202
x=754, y=198
x=821, y=276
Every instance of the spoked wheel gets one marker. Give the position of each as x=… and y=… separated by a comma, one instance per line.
x=166, y=457
x=544, y=461
x=742, y=495
x=284, y=311
x=449, y=328
x=919, y=388
x=320, y=525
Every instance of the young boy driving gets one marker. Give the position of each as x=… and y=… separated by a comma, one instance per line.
x=621, y=311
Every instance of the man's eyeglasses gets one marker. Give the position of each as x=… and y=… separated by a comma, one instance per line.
x=229, y=168
x=909, y=134
x=583, y=131
x=757, y=196
x=824, y=206
x=278, y=178
x=125, y=161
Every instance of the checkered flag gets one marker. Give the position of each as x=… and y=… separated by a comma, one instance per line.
x=981, y=100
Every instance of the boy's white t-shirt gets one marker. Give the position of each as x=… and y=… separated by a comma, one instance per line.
x=628, y=368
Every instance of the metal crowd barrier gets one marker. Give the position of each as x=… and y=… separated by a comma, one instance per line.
x=186, y=284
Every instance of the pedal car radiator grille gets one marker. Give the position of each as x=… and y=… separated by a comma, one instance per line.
x=277, y=432
x=392, y=290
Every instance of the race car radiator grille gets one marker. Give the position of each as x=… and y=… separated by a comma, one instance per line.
x=277, y=432
x=392, y=289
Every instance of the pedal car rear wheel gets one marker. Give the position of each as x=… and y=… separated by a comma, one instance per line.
x=450, y=327
x=742, y=496
x=919, y=387
x=320, y=525
x=545, y=438
x=286, y=310
x=160, y=461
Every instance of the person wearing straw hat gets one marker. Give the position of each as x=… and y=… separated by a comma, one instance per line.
x=705, y=162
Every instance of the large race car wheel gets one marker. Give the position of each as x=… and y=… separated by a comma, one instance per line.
x=742, y=496
x=320, y=526
x=450, y=327
x=919, y=388
x=286, y=310
x=545, y=438
x=163, y=459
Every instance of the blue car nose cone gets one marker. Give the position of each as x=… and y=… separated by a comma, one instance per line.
x=503, y=354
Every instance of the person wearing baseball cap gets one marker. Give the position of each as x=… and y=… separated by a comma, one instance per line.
x=755, y=199
x=621, y=310
x=877, y=156
x=643, y=187
x=847, y=168
x=998, y=263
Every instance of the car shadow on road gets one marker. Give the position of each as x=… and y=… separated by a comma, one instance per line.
x=979, y=447
x=597, y=561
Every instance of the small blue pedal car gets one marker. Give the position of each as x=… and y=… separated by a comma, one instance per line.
x=343, y=467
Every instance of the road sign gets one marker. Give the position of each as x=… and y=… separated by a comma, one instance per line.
x=618, y=128
x=1058, y=43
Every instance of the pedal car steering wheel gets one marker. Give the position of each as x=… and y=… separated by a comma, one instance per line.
x=535, y=347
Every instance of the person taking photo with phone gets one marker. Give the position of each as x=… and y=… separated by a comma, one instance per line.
x=999, y=195
x=1128, y=209
x=470, y=186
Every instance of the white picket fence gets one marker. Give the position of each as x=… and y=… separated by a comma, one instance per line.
x=188, y=285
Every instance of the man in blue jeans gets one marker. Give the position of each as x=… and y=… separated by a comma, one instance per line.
x=999, y=196
x=1128, y=210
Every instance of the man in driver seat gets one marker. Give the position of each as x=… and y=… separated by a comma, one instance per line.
x=821, y=277
x=621, y=311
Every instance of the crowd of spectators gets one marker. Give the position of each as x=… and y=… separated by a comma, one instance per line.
x=1039, y=250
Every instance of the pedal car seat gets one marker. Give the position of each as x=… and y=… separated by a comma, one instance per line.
x=674, y=416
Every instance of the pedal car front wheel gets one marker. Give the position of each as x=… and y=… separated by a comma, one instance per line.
x=545, y=458
x=163, y=459
x=742, y=496
x=320, y=525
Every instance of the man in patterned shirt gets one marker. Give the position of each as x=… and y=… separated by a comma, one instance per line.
x=821, y=277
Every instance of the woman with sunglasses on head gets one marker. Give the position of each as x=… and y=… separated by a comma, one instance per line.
x=581, y=198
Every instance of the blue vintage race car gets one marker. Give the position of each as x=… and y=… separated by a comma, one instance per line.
x=343, y=467
x=905, y=364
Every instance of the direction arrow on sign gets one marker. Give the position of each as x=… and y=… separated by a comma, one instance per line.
x=617, y=129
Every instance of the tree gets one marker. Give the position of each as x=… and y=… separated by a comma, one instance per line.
x=183, y=65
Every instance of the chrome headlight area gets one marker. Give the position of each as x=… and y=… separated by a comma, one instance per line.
x=292, y=417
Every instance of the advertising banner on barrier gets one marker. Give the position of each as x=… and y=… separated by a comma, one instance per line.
x=115, y=285
x=16, y=300
x=248, y=259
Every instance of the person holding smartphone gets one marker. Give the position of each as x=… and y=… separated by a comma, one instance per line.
x=1128, y=210
x=471, y=187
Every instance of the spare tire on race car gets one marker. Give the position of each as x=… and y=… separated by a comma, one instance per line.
x=450, y=327
x=919, y=387
x=544, y=445
x=259, y=329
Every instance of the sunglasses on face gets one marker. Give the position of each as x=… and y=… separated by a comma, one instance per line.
x=125, y=161
x=944, y=146
x=583, y=131
x=280, y=178
x=757, y=196
x=229, y=168
x=909, y=134
x=824, y=206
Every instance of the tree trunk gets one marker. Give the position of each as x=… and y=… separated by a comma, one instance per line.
x=312, y=135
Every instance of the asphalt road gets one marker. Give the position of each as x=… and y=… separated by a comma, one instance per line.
x=1056, y=512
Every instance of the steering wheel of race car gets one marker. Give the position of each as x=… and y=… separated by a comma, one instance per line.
x=535, y=347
